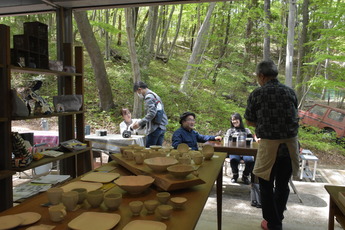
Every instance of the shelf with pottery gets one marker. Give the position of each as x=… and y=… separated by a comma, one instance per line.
x=47, y=116
x=47, y=160
x=3, y=119
x=6, y=173
x=42, y=71
x=71, y=124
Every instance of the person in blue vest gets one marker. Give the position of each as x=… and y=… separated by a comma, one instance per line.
x=187, y=134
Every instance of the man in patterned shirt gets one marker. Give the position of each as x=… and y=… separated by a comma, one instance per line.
x=272, y=110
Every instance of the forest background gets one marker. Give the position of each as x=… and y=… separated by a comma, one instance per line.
x=202, y=58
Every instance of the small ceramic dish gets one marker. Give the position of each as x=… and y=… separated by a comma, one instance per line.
x=155, y=147
x=178, y=202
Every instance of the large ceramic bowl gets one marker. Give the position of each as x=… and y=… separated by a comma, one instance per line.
x=160, y=164
x=180, y=171
x=134, y=184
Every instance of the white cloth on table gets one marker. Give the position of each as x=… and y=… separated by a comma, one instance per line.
x=113, y=142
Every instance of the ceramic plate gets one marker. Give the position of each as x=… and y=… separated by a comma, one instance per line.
x=145, y=225
x=81, y=184
x=105, y=168
x=29, y=217
x=100, y=177
x=94, y=220
x=10, y=221
x=41, y=227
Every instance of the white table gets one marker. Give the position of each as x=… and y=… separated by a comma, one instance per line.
x=304, y=159
x=113, y=142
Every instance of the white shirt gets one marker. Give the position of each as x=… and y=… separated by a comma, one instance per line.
x=124, y=126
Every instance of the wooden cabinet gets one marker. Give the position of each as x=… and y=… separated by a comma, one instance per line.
x=71, y=124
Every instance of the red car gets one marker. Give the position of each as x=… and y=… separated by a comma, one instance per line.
x=324, y=117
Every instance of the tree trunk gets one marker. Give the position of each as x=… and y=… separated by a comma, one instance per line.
x=165, y=31
x=96, y=57
x=129, y=13
x=119, y=42
x=222, y=46
x=301, y=48
x=249, y=29
x=107, y=40
x=113, y=24
x=290, y=43
x=149, y=39
x=198, y=47
x=159, y=27
x=178, y=26
x=141, y=27
x=267, y=38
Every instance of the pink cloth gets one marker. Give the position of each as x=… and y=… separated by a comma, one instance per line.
x=50, y=138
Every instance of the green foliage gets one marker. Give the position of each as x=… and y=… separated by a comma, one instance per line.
x=312, y=138
x=107, y=27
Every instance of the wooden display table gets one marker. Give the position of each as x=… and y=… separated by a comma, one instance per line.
x=336, y=208
x=184, y=219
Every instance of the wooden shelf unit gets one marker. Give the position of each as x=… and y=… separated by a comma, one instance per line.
x=42, y=71
x=6, y=173
x=71, y=124
x=47, y=160
x=47, y=116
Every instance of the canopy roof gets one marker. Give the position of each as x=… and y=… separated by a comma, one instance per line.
x=17, y=7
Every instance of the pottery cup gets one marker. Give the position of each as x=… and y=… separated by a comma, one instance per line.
x=163, y=197
x=139, y=158
x=184, y=160
x=112, y=200
x=151, y=205
x=136, y=207
x=95, y=198
x=165, y=211
x=81, y=194
x=70, y=200
x=198, y=159
x=57, y=212
x=54, y=195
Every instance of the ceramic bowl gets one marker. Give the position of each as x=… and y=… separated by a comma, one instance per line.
x=155, y=147
x=208, y=155
x=178, y=202
x=180, y=171
x=134, y=184
x=183, y=148
x=160, y=164
x=207, y=149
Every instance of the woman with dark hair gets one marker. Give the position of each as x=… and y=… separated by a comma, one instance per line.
x=237, y=127
x=127, y=123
